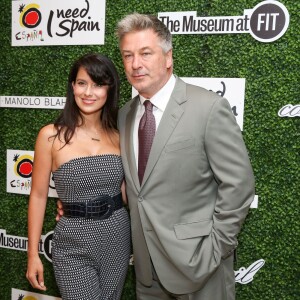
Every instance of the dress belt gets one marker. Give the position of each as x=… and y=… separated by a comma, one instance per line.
x=100, y=207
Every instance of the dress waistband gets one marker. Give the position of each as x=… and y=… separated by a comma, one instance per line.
x=99, y=208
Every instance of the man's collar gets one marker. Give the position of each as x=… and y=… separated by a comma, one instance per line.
x=161, y=98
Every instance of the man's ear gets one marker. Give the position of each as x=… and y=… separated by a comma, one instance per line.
x=169, y=56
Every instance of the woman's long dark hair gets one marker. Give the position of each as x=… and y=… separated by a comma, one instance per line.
x=103, y=72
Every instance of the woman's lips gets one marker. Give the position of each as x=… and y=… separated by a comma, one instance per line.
x=88, y=101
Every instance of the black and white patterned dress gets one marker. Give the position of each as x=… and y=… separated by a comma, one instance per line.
x=90, y=257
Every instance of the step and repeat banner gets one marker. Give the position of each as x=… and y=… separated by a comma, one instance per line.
x=249, y=55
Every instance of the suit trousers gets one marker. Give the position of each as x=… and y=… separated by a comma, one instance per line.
x=218, y=287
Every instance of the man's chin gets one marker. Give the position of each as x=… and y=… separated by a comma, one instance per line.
x=138, y=85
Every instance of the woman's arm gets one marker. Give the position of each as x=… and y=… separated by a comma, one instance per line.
x=123, y=190
x=37, y=204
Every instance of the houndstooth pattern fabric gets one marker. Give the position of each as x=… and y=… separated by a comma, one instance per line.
x=90, y=257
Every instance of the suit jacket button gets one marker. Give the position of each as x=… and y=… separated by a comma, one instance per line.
x=141, y=199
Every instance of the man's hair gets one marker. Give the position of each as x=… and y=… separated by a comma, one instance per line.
x=138, y=22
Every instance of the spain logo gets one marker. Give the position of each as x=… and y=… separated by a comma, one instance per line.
x=30, y=15
x=23, y=165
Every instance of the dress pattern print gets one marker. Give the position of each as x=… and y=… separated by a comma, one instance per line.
x=90, y=256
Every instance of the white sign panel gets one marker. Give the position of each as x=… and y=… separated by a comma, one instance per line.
x=19, y=171
x=25, y=295
x=58, y=22
x=32, y=102
x=14, y=242
x=233, y=89
x=266, y=22
x=254, y=203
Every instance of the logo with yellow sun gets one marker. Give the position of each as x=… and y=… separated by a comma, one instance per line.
x=23, y=165
x=22, y=297
x=30, y=15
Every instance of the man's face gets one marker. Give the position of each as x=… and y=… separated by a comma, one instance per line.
x=147, y=67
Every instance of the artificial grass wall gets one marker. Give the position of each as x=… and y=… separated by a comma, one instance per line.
x=271, y=231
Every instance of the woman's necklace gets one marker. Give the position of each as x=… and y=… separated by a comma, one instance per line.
x=96, y=139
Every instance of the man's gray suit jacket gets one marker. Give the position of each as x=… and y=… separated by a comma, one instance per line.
x=196, y=192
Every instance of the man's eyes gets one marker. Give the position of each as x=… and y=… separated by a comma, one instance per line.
x=129, y=56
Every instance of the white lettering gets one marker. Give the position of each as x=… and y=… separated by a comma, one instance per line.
x=274, y=22
x=260, y=21
x=265, y=19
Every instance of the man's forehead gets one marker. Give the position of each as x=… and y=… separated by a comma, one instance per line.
x=140, y=49
x=141, y=40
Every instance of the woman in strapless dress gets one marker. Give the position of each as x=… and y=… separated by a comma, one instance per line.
x=91, y=241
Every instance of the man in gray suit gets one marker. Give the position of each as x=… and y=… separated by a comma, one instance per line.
x=189, y=205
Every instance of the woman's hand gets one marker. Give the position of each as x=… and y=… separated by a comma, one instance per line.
x=59, y=209
x=35, y=273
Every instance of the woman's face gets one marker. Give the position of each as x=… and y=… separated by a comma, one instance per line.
x=89, y=96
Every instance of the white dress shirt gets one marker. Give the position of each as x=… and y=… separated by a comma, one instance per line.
x=159, y=101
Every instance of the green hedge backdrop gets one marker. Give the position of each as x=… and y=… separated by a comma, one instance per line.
x=271, y=231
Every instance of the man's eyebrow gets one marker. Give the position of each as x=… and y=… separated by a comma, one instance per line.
x=144, y=48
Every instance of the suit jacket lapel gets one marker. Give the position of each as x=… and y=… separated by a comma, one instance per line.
x=130, y=119
x=168, y=123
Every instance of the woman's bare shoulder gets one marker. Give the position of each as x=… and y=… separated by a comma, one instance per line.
x=47, y=132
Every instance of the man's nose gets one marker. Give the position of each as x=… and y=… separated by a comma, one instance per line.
x=136, y=62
